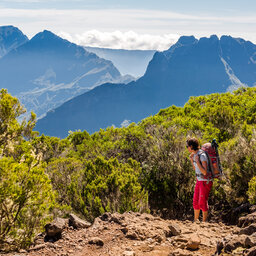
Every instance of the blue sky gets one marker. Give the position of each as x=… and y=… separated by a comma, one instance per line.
x=131, y=24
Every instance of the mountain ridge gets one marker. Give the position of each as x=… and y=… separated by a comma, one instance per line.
x=191, y=67
x=50, y=70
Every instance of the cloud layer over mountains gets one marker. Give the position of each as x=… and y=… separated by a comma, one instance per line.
x=122, y=40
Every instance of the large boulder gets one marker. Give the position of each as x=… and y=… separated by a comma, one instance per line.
x=174, y=229
x=78, y=223
x=247, y=220
x=250, y=241
x=193, y=242
x=248, y=230
x=54, y=229
x=234, y=242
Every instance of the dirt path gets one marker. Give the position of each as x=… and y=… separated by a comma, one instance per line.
x=134, y=234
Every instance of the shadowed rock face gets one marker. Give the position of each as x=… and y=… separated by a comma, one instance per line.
x=191, y=67
x=133, y=62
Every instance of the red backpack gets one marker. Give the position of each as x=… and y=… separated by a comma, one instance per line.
x=214, y=166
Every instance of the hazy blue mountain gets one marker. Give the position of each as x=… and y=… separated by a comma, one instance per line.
x=191, y=67
x=48, y=70
x=10, y=38
x=133, y=62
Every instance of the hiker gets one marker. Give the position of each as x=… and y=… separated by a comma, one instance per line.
x=203, y=186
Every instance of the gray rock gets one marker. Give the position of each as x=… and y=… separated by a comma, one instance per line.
x=250, y=241
x=37, y=247
x=248, y=230
x=181, y=239
x=117, y=218
x=247, y=220
x=77, y=223
x=124, y=230
x=131, y=234
x=158, y=238
x=174, y=229
x=55, y=228
x=96, y=240
x=235, y=242
x=105, y=216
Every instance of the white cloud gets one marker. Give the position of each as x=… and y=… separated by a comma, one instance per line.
x=119, y=28
x=122, y=40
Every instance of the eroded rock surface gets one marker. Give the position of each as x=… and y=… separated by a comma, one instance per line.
x=242, y=242
x=138, y=235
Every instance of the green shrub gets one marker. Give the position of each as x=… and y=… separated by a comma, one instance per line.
x=111, y=186
x=167, y=173
x=94, y=187
x=66, y=178
x=25, y=199
x=252, y=190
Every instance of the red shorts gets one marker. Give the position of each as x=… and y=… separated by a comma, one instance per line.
x=201, y=194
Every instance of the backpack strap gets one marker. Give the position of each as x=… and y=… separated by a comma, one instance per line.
x=215, y=146
x=209, y=174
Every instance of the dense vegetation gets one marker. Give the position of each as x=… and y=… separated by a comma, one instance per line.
x=142, y=167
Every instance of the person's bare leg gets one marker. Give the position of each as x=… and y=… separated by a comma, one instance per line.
x=196, y=214
x=205, y=214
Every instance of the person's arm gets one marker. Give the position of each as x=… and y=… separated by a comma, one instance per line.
x=191, y=160
x=202, y=166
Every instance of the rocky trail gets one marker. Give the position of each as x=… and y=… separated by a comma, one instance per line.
x=135, y=234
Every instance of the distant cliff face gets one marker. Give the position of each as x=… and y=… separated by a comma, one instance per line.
x=191, y=67
x=10, y=38
x=133, y=62
x=48, y=70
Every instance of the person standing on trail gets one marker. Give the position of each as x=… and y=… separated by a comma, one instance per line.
x=203, y=186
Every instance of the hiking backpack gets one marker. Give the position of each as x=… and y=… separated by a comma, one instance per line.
x=214, y=169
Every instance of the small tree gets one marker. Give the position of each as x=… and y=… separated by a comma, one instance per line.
x=25, y=191
x=13, y=132
x=25, y=198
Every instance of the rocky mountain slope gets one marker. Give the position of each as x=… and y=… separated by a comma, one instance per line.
x=136, y=234
x=10, y=38
x=191, y=67
x=47, y=70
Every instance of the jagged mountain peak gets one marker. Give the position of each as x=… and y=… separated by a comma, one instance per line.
x=9, y=29
x=47, y=33
x=190, y=40
x=213, y=39
x=49, y=36
x=49, y=42
x=187, y=40
x=232, y=40
x=10, y=38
